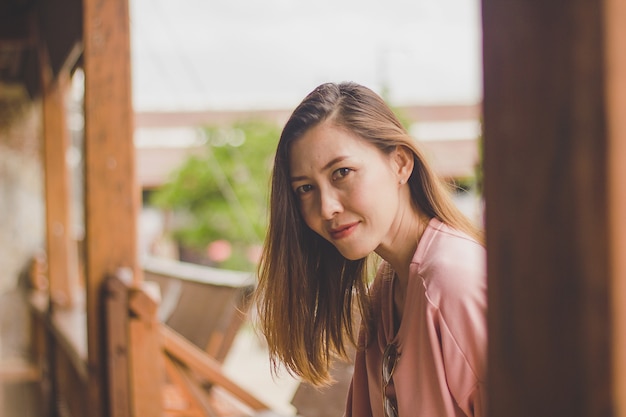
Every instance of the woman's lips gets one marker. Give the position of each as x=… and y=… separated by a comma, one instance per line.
x=343, y=231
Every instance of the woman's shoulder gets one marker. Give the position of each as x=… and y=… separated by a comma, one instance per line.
x=443, y=246
x=450, y=262
x=440, y=232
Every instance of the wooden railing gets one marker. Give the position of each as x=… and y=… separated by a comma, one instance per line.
x=148, y=357
x=192, y=370
x=152, y=369
x=60, y=354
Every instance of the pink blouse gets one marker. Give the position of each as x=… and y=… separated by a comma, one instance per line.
x=442, y=338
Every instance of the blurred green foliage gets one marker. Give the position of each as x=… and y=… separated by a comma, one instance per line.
x=221, y=193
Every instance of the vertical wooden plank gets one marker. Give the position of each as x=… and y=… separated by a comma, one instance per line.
x=547, y=210
x=146, y=355
x=111, y=192
x=117, y=348
x=57, y=189
x=69, y=390
x=615, y=16
x=135, y=368
x=43, y=357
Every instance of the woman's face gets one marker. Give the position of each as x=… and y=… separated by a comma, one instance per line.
x=347, y=188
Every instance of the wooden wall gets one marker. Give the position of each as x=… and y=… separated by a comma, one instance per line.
x=553, y=93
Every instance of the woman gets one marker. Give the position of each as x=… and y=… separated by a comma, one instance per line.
x=348, y=181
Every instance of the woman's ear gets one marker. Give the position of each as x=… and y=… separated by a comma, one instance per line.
x=403, y=159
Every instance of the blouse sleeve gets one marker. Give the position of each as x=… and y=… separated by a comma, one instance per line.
x=459, y=293
x=464, y=367
x=463, y=332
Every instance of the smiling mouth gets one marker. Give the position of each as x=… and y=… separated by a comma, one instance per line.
x=343, y=231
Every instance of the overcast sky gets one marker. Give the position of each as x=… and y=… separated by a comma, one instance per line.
x=224, y=54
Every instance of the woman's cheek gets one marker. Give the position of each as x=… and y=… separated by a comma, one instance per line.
x=311, y=220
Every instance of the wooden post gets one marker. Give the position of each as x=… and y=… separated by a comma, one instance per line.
x=116, y=304
x=146, y=354
x=135, y=356
x=58, y=224
x=549, y=197
x=615, y=35
x=111, y=192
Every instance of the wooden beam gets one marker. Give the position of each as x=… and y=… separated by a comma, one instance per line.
x=111, y=193
x=187, y=395
x=615, y=16
x=547, y=209
x=62, y=273
x=205, y=366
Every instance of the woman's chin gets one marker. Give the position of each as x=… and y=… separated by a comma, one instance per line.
x=353, y=255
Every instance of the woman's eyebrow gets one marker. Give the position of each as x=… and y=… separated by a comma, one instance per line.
x=333, y=162
x=299, y=178
x=324, y=168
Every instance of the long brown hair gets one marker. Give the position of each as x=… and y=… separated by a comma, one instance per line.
x=307, y=290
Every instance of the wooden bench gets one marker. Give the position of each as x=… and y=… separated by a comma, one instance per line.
x=205, y=305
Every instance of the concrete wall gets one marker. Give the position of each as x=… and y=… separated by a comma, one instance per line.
x=22, y=214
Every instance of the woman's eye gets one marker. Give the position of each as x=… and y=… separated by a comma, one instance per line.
x=303, y=189
x=341, y=173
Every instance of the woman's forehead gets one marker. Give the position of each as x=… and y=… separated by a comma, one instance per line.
x=324, y=145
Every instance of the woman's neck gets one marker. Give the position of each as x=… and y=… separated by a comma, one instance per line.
x=403, y=242
x=400, y=254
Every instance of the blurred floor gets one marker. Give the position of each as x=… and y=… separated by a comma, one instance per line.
x=21, y=399
x=248, y=364
x=20, y=391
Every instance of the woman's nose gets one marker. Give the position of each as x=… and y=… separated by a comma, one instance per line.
x=330, y=204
